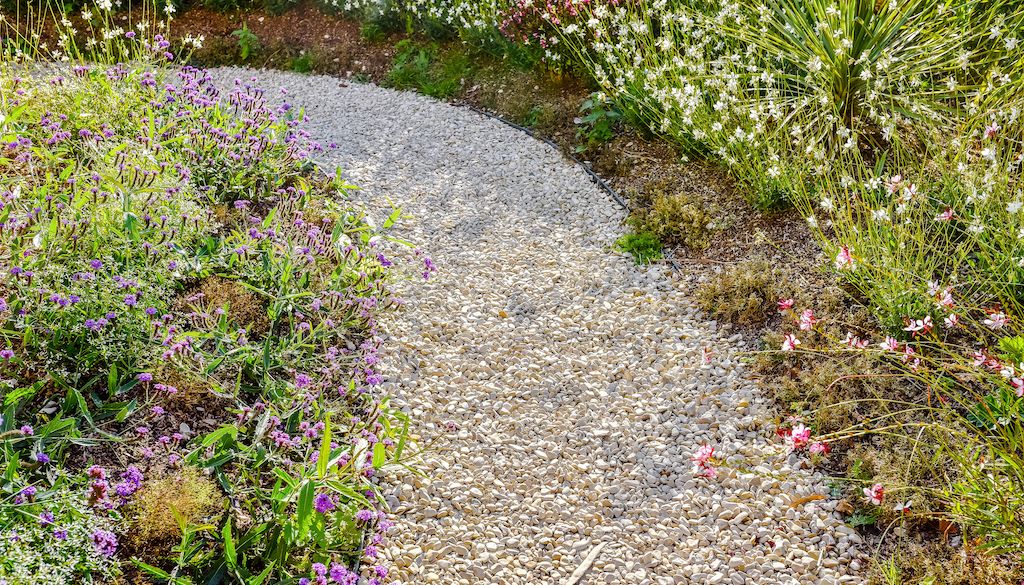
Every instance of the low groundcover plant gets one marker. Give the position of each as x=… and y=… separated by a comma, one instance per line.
x=188, y=327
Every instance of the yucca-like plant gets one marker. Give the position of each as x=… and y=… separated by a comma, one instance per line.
x=885, y=71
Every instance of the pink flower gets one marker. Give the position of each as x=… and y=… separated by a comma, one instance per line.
x=785, y=304
x=854, y=341
x=819, y=448
x=890, y=344
x=875, y=494
x=945, y=299
x=807, y=320
x=947, y=215
x=844, y=259
x=790, y=342
x=706, y=354
x=702, y=462
x=996, y=320
x=704, y=454
x=951, y=321
x=893, y=184
x=910, y=191
x=798, y=438
x=708, y=472
x=919, y=326
x=991, y=130
x=1018, y=385
x=903, y=507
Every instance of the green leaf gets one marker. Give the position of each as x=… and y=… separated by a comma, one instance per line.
x=325, y=449
x=112, y=379
x=304, y=509
x=379, y=455
x=259, y=579
x=229, y=545
x=126, y=411
x=75, y=402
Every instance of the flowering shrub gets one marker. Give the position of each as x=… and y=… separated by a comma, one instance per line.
x=182, y=291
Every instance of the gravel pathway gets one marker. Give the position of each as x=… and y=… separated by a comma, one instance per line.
x=575, y=378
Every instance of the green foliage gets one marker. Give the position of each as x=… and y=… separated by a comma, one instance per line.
x=645, y=247
x=597, y=123
x=303, y=63
x=184, y=272
x=424, y=69
x=372, y=32
x=248, y=42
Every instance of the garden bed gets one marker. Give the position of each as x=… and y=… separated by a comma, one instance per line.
x=190, y=326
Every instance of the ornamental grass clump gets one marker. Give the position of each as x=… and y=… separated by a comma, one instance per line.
x=164, y=237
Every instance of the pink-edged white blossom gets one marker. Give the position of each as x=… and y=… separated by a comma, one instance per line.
x=790, y=342
x=844, y=259
x=807, y=320
x=996, y=320
x=890, y=344
x=919, y=326
x=798, y=437
x=991, y=130
x=785, y=304
x=854, y=341
x=875, y=494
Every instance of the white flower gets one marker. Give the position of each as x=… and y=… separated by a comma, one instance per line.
x=1011, y=207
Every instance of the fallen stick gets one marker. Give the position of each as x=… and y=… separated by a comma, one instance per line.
x=585, y=565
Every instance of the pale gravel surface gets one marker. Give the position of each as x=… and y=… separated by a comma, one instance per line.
x=574, y=376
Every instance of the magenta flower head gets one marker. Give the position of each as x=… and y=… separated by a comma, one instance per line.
x=365, y=515
x=323, y=503
x=6, y=354
x=105, y=542
x=144, y=377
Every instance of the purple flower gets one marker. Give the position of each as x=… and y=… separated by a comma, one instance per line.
x=144, y=377
x=60, y=534
x=341, y=574
x=46, y=518
x=323, y=503
x=365, y=515
x=6, y=354
x=42, y=457
x=105, y=542
x=302, y=380
x=96, y=264
x=26, y=430
x=131, y=300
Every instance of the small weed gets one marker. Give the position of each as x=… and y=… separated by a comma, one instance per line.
x=303, y=63
x=597, y=123
x=373, y=32
x=248, y=42
x=645, y=247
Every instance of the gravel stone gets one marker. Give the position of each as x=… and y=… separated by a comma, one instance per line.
x=575, y=377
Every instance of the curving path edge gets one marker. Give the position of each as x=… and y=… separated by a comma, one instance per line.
x=574, y=377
